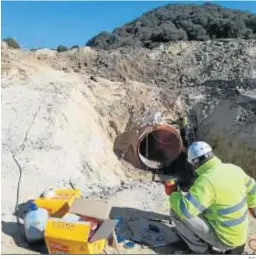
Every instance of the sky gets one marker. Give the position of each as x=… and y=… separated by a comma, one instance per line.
x=49, y=24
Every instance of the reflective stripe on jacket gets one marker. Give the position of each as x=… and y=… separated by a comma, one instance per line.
x=223, y=193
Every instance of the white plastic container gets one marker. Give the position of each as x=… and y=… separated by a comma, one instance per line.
x=50, y=193
x=35, y=222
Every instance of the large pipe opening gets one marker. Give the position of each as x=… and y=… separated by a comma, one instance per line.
x=158, y=147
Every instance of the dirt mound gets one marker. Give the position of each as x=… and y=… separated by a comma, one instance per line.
x=199, y=73
x=45, y=53
x=231, y=129
x=59, y=128
x=4, y=45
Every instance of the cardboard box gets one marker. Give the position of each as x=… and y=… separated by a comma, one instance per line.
x=60, y=204
x=64, y=236
x=93, y=209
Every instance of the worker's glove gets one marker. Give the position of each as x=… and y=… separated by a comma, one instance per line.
x=253, y=212
x=170, y=187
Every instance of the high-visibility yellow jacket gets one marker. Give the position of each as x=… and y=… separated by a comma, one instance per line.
x=222, y=193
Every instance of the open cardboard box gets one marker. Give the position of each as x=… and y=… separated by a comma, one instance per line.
x=63, y=236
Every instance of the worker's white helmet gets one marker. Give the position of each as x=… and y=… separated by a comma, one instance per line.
x=197, y=150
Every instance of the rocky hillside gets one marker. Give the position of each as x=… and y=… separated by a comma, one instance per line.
x=202, y=73
x=179, y=22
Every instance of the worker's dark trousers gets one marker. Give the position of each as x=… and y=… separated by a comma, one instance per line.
x=197, y=234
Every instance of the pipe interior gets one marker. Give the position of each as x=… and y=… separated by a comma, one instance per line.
x=157, y=149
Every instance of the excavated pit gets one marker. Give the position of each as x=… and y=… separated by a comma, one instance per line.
x=68, y=132
x=229, y=127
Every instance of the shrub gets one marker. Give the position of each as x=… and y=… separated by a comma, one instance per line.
x=62, y=48
x=12, y=43
x=179, y=22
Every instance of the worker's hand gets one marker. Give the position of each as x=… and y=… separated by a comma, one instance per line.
x=253, y=212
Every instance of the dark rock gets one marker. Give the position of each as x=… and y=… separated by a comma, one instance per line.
x=93, y=79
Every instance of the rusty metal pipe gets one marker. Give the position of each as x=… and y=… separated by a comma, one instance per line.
x=157, y=146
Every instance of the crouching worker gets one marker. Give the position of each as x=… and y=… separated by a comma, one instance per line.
x=213, y=215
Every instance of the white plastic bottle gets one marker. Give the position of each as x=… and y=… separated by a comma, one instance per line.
x=35, y=222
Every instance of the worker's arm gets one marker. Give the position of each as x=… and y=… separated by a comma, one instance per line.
x=251, y=192
x=200, y=197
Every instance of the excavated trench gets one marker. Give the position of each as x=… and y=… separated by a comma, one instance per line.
x=160, y=147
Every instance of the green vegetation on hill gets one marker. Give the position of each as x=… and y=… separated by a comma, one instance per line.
x=62, y=48
x=179, y=22
x=12, y=43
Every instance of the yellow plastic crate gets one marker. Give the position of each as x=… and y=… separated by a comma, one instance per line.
x=59, y=205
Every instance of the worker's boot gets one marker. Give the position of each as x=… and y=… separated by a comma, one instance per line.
x=180, y=248
x=236, y=251
x=215, y=251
